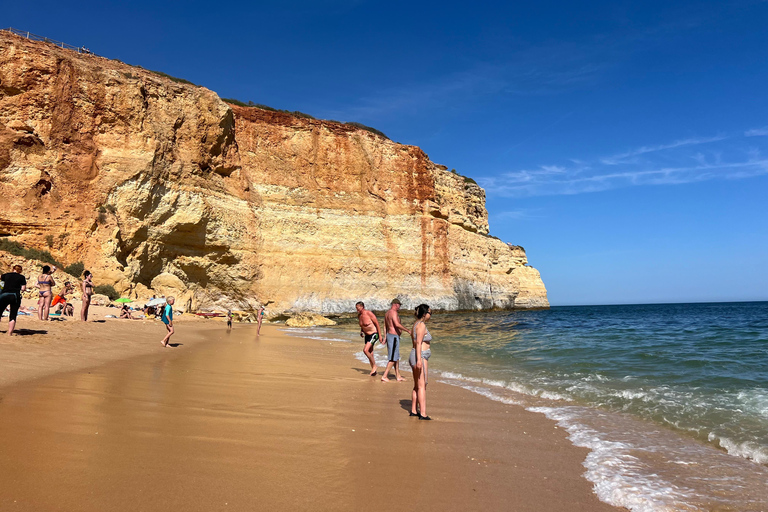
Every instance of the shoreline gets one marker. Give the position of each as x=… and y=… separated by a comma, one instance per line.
x=274, y=432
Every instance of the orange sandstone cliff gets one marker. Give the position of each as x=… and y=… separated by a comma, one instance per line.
x=163, y=185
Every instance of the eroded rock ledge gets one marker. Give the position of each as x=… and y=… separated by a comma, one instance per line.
x=163, y=185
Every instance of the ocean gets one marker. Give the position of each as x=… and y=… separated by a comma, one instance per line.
x=670, y=399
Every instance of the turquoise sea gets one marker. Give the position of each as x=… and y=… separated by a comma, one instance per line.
x=671, y=399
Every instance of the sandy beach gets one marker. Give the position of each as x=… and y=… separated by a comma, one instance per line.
x=99, y=416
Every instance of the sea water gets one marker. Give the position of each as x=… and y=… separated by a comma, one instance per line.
x=670, y=399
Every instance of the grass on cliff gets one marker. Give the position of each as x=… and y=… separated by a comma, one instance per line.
x=296, y=113
x=17, y=249
x=108, y=290
x=239, y=103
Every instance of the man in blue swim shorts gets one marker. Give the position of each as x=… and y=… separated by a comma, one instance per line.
x=394, y=329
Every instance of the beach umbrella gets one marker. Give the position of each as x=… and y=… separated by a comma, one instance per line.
x=156, y=302
x=123, y=300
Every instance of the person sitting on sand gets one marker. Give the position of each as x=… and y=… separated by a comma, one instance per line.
x=46, y=283
x=418, y=360
x=259, y=319
x=87, y=289
x=167, y=318
x=125, y=312
x=61, y=297
x=69, y=310
x=370, y=331
x=394, y=329
x=13, y=283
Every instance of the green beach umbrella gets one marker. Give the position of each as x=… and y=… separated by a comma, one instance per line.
x=123, y=300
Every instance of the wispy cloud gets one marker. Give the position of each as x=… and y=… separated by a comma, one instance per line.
x=512, y=215
x=716, y=158
x=757, y=132
x=620, y=157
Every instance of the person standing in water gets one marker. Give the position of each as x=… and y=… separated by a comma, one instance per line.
x=394, y=329
x=418, y=360
x=87, y=289
x=370, y=331
x=166, y=316
x=46, y=283
x=259, y=319
x=10, y=295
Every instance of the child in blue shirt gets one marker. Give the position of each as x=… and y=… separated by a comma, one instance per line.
x=166, y=316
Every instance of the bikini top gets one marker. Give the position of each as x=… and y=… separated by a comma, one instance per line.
x=427, y=337
x=39, y=282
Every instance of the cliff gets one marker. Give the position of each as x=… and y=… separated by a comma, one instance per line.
x=161, y=184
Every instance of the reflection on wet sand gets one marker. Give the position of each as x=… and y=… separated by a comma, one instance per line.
x=274, y=423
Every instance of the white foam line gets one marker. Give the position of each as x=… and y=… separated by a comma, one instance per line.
x=619, y=478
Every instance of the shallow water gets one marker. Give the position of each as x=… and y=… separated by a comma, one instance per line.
x=672, y=399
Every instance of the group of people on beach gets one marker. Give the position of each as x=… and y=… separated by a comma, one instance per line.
x=370, y=331
x=13, y=284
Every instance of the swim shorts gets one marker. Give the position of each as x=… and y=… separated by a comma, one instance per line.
x=372, y=338
x=393, y=347
x=57, y=299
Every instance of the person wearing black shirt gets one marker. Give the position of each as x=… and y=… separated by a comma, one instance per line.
x=13, y=284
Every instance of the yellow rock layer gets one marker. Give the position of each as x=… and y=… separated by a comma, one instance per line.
x=164, y=186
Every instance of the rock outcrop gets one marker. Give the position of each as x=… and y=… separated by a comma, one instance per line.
x=162, y=185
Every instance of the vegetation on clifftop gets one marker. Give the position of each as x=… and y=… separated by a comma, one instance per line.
x=17, y=249
x=296, y=113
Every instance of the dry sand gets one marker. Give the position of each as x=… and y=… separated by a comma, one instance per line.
x=232, y=422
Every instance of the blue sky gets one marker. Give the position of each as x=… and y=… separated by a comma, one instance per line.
x=623, y=144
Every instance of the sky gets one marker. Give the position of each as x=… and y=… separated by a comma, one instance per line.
x=623, y=144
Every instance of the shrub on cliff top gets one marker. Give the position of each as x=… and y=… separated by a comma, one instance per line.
x=239, y=103
x=75, y=269
x=17, y=249
x=233, y=101
x=368, y=128
x=108, y=290
x=172, y=78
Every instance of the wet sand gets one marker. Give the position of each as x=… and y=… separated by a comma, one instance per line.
x=231, y=422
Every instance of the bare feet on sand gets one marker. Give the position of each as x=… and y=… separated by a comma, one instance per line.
x=373, y=371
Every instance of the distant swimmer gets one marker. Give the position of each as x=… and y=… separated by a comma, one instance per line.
x=166, y=316
x=370, y=331
x=394, y=329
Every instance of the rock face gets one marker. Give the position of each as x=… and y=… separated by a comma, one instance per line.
x=162, y=185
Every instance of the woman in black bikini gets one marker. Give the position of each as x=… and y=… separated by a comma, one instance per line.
x=46, y=283
x=87, y=289
x=418, y=361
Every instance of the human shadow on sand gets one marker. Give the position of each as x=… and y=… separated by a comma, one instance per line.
x=368, y=372
x=405, y=404
x=29, y=332
x=174, y=345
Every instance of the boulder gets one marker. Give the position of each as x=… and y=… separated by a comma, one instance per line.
x=308, y=320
